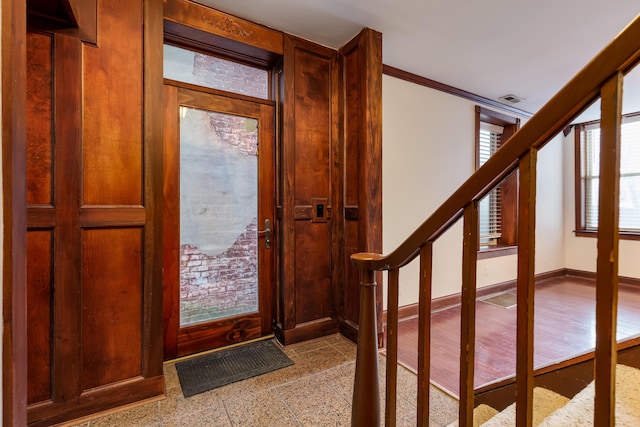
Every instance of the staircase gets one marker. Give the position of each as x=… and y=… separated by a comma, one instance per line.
x=553, y=410
x=602, y=79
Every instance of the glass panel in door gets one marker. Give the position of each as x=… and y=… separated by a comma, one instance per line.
x=218, y=215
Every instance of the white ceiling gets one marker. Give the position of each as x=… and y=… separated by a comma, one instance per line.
x=490, y=48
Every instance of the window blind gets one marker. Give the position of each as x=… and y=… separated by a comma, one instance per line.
x=490, y=206
x=629, y=175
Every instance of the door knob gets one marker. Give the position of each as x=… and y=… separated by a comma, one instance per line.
x=267, y=233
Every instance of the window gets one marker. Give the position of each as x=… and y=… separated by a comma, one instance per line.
x=498, y=209
x=216, y=73
x=588, y=170
x=490, y=206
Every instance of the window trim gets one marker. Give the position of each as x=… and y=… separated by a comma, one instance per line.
x=580, y=229
x=509, y=196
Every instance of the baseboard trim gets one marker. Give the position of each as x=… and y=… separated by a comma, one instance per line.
x=442, y=303
x=633, y=281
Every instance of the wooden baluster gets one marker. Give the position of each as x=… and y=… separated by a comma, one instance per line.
x=526, y=289
x=468, y=313
x=365, y=411
x=392, y=349
x=607, y=263
x=424, y=332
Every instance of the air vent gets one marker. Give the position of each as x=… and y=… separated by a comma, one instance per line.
x=512, y=99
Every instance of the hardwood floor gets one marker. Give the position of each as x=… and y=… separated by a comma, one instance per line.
x=564, y=327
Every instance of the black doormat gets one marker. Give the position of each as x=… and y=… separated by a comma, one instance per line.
x=224, y=367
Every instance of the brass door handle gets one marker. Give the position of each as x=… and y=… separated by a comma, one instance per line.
x=267, y=233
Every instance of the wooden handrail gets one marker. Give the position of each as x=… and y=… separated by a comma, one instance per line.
x=602, y=77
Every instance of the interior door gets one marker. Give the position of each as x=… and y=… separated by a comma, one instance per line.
x=219, y=185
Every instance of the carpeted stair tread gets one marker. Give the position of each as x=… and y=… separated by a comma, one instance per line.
x=481, y=414
x=579, y=411
x=545, y=402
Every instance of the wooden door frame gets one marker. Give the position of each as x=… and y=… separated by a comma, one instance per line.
x=14, y=210
x=180, y=341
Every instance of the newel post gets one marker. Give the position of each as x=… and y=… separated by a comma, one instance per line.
x=365, y=411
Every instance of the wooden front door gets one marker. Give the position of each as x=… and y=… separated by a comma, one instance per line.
x=219, y=193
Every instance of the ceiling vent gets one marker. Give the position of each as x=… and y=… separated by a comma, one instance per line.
x=511, y=99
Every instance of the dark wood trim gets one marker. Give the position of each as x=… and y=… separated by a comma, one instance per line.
x=211, y=91
x=79, y=19
x=116, y=216
x=93, y=401
x=303, y=331
x=487, y=252
x=622, y=235
x=231, y=33
x=14, y=93
x=423, y=81
x=67, y=306
x=441, y=303
x=623, y=280
x=153, y=134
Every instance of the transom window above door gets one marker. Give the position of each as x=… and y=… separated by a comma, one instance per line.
x=213, y=72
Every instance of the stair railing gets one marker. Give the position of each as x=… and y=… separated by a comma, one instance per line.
x=603, y=78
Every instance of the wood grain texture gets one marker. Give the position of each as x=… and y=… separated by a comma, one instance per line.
x=39, y=327
x=223, y=25
x=111, y=306
x=112, y=113
x=171, y=222
x=361, y=60
x=310, y=148
x=607, y=258
x=67, y=264
x=526, y=288
x=14, y=90
x=39, y=119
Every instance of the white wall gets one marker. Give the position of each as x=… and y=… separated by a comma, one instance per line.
x=427, y=152
x=581, y=251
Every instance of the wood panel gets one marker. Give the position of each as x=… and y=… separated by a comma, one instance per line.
x=171, y=221
x=111, y=306
x=94, y=230
x=310, y=143
x=361, y=60
x=352, y=142
x=40, y=120
x=39, y=299
x=14, y=89
x=225, y=27
x=313, y=279
x=112, y=154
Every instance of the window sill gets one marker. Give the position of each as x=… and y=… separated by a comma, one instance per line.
x=624, y=235
x=494, y=251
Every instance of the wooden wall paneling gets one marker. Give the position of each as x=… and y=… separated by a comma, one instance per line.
x=153, y=138
x=14, y=332
x=362, y=62
x=309, y=142
x=111, y=306
x=105, y=221
x=171, y=223
x=220, y=29
x=39, y=297
x=351, y=58
x=76, y=18
x=67, y=279
x=39, y=119
x=112, y=153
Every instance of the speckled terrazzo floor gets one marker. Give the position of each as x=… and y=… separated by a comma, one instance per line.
x=315, y=391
